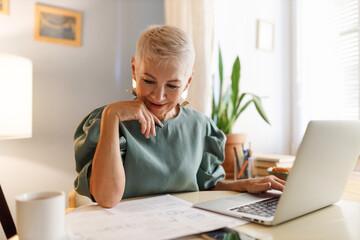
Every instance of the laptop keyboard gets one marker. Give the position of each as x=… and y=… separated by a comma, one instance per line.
x=264, y=208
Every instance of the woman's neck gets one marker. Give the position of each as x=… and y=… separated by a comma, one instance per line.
x=171, y=114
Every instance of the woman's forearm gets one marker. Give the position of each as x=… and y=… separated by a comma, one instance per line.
x=252, y=185
x=107, y=179
x=239, y=185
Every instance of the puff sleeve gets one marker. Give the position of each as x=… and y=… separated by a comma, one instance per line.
x=85, y=141
x=211, y=171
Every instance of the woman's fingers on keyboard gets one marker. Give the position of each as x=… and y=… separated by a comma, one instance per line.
x=263, y=184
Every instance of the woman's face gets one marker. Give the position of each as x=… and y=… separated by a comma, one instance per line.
x=160, y=86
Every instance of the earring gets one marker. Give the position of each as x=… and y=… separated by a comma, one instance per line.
x=184, y=96
x=133, y=90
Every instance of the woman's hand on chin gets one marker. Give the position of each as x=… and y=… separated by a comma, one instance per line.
x=134, y=110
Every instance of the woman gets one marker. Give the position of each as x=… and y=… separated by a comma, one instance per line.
x=151, y=145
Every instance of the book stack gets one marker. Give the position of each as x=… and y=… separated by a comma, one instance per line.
x=263, y=161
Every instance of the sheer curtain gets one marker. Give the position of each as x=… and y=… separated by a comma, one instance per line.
x=196, y=18
x=325, y=62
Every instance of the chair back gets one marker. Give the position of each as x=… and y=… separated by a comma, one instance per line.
x=6, y=219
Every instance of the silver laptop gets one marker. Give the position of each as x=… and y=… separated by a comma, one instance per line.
x=322, y=167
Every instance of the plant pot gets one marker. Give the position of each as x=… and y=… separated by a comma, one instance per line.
x=233, y=140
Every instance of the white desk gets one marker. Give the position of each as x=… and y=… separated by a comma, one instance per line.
x=339, y=221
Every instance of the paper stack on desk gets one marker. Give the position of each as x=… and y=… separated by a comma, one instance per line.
x=163, y=217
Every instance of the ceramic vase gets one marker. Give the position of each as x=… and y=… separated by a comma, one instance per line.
x=233, y=140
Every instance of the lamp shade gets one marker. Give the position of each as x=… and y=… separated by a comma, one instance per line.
x=15, y=97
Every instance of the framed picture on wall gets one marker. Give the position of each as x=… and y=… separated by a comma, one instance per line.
x=57, y=25
x=4, y=7
x=265, y=35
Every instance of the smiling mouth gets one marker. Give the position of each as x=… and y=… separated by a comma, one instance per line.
x=156, y=106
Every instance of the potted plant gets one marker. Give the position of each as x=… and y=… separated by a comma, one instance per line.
x=228, y=109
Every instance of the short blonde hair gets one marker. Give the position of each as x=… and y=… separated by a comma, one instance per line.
x=168, y=45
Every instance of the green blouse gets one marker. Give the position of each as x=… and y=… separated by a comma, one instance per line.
x=185, y=155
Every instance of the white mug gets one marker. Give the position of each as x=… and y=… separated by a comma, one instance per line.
x=41, y=215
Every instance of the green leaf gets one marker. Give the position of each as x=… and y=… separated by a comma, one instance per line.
x=231, y=123
x=230, y=107
x=213, y=109
x=239, y=101
x=224, y=102
x=235, y=81
x=221, y=75
x=221, y=108
x=244, y=107
x=258, y=105
x=260, y=108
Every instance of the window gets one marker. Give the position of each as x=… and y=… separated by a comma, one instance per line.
x=326, y=62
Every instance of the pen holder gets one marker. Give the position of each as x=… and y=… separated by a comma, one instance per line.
x=244, y=169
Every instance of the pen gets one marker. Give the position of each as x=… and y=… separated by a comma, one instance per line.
x=242, y=169
x=251, y=164
x=237, y=159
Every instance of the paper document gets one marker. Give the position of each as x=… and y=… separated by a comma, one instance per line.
x=163, y=217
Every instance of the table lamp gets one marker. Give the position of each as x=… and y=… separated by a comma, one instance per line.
x=15, y=113
x=15, y=97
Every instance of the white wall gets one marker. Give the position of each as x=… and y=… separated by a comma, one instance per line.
x=68, y=83
x=262, y=73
